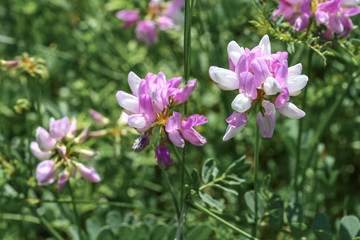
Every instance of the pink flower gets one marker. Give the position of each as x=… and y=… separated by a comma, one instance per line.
x=131, y=17
x=99, y=119
x=10, y=64
x=335, y=15
x=146, y=31
x=88, y=173
x=179, y=130
x=297, y=12
x=149, y=106
x=259, y=77
x=46, y=172
x=160, y=15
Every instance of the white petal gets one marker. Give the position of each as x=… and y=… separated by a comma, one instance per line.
x=294, y=70
x=271, y=86
x=226, y=79
x=241, y=103
x=232, y=132
x=291, y=111
x=137, y=121
x=265, y=46
x=128, y=102
x=234, y=51
x=296, y=83
x=134, y=82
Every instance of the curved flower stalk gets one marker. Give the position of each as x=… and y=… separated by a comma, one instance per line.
x=334, y=14
x=160, y=15
x=260, y=77
x=59, y=149
x=150, y=105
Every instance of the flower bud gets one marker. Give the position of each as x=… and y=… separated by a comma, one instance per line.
x=141, y=143
x=88, y=173
x=98, y=134
x=72, y=129
x=162, y=156
x=46, y=172
x=83, y=136
x=86, y=154
x=61, y=150
x=98, y=118
x=44, y=140
x=10, y=64
x=63, y=180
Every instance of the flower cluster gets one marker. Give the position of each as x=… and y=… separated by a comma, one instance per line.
x=60, y=151
x=149, y=106
x=260, y=77
x=334, y=14
x=160, y=15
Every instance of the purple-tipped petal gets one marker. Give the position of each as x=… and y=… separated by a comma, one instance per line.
x=141, y=143
x=194, y=137
x=193, y=120
x=60, y=128
x=72, y=129
x=34, y=146
x=147, y=108
x=46, y=172
x=174, y=122
x=83, y=136
x=45, y=141
x=88, y=173
x=237, y=119
x=61, y=150
x=85, y=153
x=184, y=93
x=10, y=64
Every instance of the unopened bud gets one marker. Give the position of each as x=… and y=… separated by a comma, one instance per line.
x=98, y=118
x=9, y=64
x=83, y=136
x=85, y=153
x=98, y=134
x=141, y=143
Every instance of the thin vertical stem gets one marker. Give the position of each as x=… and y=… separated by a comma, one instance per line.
x=179, y=232
x=77, y=218
x=171, y=192
x=300, y=131
x=256, y=169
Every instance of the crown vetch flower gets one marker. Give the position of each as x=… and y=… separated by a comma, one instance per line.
x=162, y=156
x=297, y=12
x=260, y=77
x=149, y=106
x=335, y=15
x=60, y=151
x=160, y=15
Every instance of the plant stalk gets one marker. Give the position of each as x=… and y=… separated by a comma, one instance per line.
x=256, y=169
x=77, y=218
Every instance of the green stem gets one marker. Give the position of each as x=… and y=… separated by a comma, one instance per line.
x=77, y=218
x=171, y=190
x=210, y=184
x=226, y=223
x=179, y=232
x=47, y=225
x=256, y=169
x=300, y=131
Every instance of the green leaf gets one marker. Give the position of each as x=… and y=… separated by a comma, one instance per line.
x=158, y=232
x=321, y=227
x=276, y=209
x=298, y=230
x=201, y=232
x=239, y=167
x=250, y=202
x=141, y=232
x=113, y=219
x=125, y=232
x=226, y=189
x=105, y=234
x=207, y=170
x=349, y=227
x=211, y=201
x=73, y=230
x=294, y=213
x=195, y=183
x=93, y=228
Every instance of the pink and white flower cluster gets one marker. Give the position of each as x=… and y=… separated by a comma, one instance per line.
x=160, y=15
x=60, y=151
x=150, y=106
x=260, y=77
x=334, y=14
